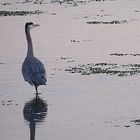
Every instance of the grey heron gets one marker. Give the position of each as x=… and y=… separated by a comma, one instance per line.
x=33, y=69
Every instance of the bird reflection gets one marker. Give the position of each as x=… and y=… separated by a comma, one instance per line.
x=34, y=112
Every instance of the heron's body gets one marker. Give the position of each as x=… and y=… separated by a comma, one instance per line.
x=33, y=69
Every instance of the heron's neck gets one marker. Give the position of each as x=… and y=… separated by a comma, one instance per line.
x=29, y=42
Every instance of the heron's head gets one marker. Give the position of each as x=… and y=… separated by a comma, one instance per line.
x=30, y=25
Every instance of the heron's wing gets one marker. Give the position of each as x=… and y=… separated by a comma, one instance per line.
x=26, y=71
x=34, y=71
x=38, y=72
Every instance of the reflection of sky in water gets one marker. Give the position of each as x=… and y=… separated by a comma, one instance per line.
x=34, y=112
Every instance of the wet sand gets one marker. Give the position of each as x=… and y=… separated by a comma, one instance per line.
x=73, y=105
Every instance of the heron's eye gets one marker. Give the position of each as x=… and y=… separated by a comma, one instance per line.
x=30, y=23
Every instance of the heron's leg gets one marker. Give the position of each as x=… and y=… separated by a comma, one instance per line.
x=36, y=90
x=37, y=97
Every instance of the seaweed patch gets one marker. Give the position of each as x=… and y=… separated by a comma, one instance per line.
x=20, y=13
x=108, y=22
x=124, y=54
x=106, y=69
x=136, y=121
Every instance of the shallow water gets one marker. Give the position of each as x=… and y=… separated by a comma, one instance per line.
x=75, y=106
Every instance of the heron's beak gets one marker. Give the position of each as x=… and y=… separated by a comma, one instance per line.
x=36, y=25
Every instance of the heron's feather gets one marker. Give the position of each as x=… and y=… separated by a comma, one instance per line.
x=33, y=71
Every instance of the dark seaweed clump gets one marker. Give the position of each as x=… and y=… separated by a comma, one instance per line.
x=108, y=22
x=80, y=1
x=69, y=2
x=75, y=2
x=106, y=68
x=8, y=103
x=137, y=121
x=2, y=63
x=34, y=1
x=20, y=13
x=124, y=54
x=101, y=0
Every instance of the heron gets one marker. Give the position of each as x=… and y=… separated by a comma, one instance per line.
x=33, y=69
